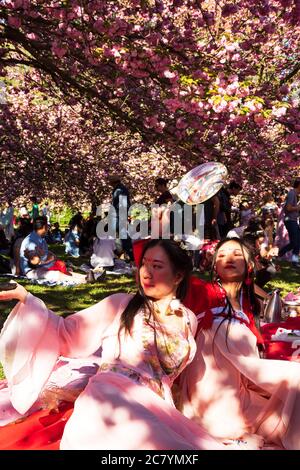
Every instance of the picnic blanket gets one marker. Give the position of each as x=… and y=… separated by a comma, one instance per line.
x=44, y=282
x=120, y=268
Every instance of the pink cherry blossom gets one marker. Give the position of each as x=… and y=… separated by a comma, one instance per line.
x=14, y=22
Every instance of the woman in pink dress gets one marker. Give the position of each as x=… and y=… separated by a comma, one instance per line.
x=228, y=388
x=146, y=341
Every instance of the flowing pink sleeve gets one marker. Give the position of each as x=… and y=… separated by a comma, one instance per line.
x=238, y=346
x=33, y=337
x=29, y=348
x=280, y=419
x=240, y=349
x=80, y=334
x=215, y=392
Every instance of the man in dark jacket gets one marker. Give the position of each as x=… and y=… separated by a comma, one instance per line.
x=224, y=217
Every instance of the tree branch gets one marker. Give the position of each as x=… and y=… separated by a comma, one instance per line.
x=290, y=75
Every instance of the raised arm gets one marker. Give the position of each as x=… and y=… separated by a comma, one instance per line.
x=239, y=347
x=33, y=338
x=81, y=334
x=78, y=335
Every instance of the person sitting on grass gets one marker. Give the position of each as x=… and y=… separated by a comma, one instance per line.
x=229, y=388
x=72, y=241
x=34, y=260
x=146, y=340
x=35, y=242
x=265, y=269
x=57, y=233
x=104, y=253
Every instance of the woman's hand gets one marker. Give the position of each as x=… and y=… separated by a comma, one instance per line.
x=19, y=293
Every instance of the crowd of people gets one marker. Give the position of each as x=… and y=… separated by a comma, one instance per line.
x=177, y=365
x=271, y=228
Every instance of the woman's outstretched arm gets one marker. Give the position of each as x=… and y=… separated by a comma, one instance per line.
x=33, y=338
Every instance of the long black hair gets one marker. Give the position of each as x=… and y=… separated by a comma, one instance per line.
x=247, y=288
x=180, y=262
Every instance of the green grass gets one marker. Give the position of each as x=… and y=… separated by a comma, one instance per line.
x=287, y=280
x=66, y=300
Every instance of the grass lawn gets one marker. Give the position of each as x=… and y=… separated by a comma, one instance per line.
x=66, y=300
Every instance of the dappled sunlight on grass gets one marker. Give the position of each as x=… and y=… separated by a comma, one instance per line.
x=287, y=280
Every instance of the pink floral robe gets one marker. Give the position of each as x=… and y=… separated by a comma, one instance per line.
x=231, y=391
x=127, y=404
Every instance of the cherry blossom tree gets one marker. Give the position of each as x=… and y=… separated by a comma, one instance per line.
x=187, y=81
x=59, y=151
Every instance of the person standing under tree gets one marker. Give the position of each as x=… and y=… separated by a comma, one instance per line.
x=224, y=216
x=35, y=212
x=165, y=195
x=7, y=220
x=46, y=212
x=292, y=208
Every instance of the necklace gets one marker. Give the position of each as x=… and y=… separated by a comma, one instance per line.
x=174, y=308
